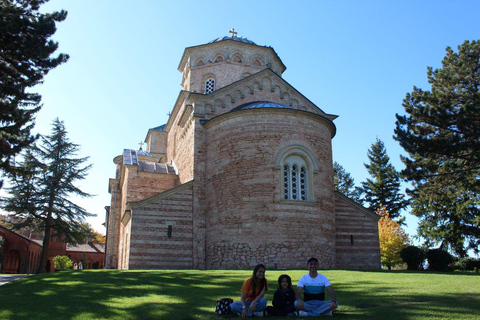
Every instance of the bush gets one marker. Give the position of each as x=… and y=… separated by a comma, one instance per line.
x=439, y=260
x=467, y=264
x=413, y=257
x=62, y=262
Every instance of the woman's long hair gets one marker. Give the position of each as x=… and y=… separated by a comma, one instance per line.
x=255, y=281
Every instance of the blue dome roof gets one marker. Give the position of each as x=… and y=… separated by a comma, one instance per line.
x=261, y=104
x=159, y=128
x=234, y=38
x=143, y=153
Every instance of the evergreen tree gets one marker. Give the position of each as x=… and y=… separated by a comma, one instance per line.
x=384, y=187
x=344, y=182
x=441, y=133
x=42, y=186
x=25, y=49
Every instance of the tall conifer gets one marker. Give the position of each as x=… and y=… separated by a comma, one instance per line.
x=384, y=186
x=441, y=133
x=25, y=50
x=344, y=182
x=42, y=187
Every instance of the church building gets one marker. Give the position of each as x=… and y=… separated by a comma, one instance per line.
x=240, y=174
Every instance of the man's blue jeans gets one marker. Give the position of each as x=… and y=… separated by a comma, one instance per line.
x=259, y=306
x=316, y=307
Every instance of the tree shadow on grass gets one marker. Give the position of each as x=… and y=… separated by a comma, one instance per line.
x=191, y=294
x=115, y=294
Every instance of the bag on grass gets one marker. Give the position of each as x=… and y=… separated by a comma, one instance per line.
x=223, y=306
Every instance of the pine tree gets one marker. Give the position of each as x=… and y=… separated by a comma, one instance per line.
x=393, y=239
x=384, y=187
x=25, y=59
x=441, y=133
x=42, y=186
x=344, y=182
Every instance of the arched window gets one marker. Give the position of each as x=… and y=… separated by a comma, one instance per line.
x=209, y=85
x=295, y=184
x=297, y=166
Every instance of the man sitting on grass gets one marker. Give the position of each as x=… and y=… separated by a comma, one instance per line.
x=313, y=285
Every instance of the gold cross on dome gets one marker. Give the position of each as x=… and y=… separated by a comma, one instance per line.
x=234, y=34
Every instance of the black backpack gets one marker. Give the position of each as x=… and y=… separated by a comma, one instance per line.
x=223, y=306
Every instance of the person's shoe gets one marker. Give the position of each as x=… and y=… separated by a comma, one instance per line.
x=258, y=314
x=328, y=313
x=292, y=314
x=302, y=313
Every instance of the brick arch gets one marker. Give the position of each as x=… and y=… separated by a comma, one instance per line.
x=285, y=96
x=218, y=57
x=237, y=57
x=257, y=60
x=299, y=150
x=239, y=95
x=200, y=62
x=267, y=83
x=304, y=159
x=249, y=89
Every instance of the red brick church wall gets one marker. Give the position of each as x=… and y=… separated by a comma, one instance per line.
x=247, y=220
x=357, y=242
x=161, y=230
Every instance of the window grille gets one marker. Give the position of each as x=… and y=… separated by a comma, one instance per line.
x=209, y=86
x=295, y=174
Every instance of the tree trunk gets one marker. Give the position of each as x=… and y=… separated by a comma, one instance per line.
x=46, y=239
x=46, y=243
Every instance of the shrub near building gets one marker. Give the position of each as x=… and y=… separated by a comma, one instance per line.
x=62, y=262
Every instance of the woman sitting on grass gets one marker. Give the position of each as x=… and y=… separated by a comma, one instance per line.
x=283, y=299
x=253, y=290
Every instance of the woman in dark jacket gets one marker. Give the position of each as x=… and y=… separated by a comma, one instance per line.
x=283, y=299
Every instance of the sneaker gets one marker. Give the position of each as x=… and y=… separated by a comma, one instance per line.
x=302, y=313
x=258, y=314
x=292, y=314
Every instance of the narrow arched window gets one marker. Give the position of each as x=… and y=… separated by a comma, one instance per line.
x=209, y=86
x=295, y=174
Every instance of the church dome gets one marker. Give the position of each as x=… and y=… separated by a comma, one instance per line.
x=261, y=104
x=234, y=38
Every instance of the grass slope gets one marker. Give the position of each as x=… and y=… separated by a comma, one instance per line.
x=191, y=294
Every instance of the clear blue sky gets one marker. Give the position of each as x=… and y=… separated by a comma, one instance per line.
x=356, y=59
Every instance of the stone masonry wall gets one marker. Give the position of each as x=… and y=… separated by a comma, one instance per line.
x=150, y=244
x=180, y=146
x=247, y=220
x=357, y=242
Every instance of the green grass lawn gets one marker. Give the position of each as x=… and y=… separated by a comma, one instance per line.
x=191, y=294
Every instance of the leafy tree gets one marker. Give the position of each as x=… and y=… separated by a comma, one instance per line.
x=41, y=188
x=439, y=260
x=392, y=239
x=413, y=256
x=384, y=187
x=62, y=262
x=344, y=182
x=97, y=237
x=25, y=59
x=441, y=133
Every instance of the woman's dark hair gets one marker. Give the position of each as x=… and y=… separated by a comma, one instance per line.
x=255, y=280
x=284, y=276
